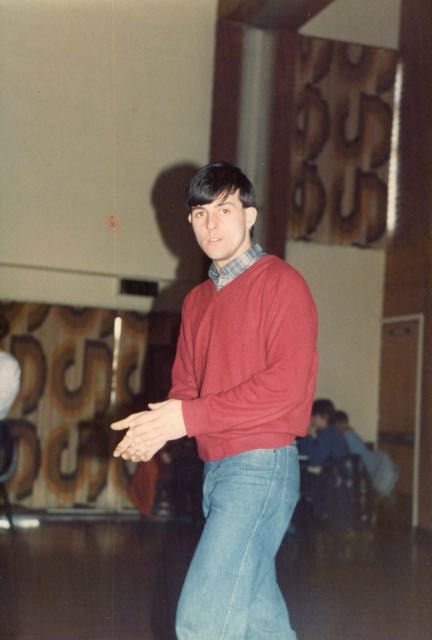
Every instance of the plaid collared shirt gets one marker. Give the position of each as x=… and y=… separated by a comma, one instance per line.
x=235, y=267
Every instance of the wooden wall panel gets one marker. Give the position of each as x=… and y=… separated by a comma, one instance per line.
x=226, y=91
x=286, y=48
x=408, y=281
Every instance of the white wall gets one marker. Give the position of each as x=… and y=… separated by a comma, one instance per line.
x=98, y=98
x=346, y=283
x=370, y=22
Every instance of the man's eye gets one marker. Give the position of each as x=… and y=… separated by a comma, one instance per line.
x=225, y=211
x=197, y=214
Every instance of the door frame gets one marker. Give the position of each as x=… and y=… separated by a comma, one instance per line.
x=416, y=317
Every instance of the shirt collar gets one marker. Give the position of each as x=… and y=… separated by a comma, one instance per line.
x=236, y=267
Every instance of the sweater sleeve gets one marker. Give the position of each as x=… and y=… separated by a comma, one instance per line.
x=288, y=378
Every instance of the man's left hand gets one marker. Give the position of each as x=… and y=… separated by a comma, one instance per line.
x=149, y=431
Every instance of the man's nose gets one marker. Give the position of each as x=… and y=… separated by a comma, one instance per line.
x=211, y=220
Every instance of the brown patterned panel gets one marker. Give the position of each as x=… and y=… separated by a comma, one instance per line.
x=76, y=320
x=372, y=131
x=69, y=428
x=315, y=58
x=10, y=313
x=387, y=71
x=366, y=218
x=29, y=455
x=29, y=353
x=93, y=382
x=135, y=324
x=343, y=125
x=37, y=314
x=63, y=485
x=313, y=122
x=308, y=201
x=354, y=61
x=127, y=368
x=120, y=476
x=107, y=323
x=94, y=448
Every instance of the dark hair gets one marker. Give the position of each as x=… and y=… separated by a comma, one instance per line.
x=341, y=415
x=325, y=408
x=216, y=179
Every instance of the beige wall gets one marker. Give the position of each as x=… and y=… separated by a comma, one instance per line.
x=346, y=283
x=98, y=98
x=370, y=22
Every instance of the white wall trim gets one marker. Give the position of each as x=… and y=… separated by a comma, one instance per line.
x=418, y=317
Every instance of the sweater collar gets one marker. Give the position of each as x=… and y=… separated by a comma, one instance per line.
x=236, y=267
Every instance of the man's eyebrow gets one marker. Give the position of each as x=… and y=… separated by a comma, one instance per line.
x=219, y=203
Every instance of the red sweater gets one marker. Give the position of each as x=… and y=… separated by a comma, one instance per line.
x=246, y=360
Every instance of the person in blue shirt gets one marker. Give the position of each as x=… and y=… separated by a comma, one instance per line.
x=382, y=471
x=322, y=452
x=324, y=442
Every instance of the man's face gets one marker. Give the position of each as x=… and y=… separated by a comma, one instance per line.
x=222, y=228
x=342, y=425
x=318, y=422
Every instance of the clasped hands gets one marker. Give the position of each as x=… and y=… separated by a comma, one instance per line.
x=149, y=431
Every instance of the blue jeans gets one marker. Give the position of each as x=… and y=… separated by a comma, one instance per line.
x=231, y=591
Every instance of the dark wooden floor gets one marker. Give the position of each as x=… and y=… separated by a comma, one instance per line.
x=120, y=580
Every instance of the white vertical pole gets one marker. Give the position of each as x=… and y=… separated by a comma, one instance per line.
x=255, y=114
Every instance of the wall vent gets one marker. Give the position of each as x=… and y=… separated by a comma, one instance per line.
x=145, y=288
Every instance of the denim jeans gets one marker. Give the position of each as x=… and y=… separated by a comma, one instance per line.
x=231, y=591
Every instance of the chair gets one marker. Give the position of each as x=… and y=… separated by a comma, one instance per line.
x=338, y=492
x=351, y=491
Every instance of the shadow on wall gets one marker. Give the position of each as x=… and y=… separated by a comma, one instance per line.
x=168, y=199
x=172, y=479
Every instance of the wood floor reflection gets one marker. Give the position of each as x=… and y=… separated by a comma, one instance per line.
x=120, y=581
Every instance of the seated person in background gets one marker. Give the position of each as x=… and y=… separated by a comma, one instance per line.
x=10, y=374
x=324, y=493
x=355, y=443
x=324, y=441
x=382, y=471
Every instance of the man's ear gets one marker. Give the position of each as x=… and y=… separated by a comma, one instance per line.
x=251, y=216
x=190, y=218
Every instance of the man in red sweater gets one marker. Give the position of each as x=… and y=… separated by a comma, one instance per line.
x=242, y=384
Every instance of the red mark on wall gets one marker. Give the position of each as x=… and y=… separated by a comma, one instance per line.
x=113, y=223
